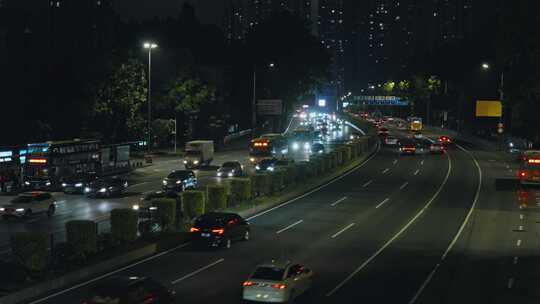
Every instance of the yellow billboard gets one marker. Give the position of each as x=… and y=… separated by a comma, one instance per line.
x=488, y=108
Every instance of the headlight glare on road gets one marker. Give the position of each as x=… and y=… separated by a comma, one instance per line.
x=306, y=146
x=78, y=185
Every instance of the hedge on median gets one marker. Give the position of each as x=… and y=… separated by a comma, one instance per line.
x=124, y=225
x=261, y=184
x=290, y=175
x=277, y=180
x=347, y=154
x=81, y=235
x=194, y=203
x=166, y=212
x=216, y=197
x=30, y=250
x=240, y=190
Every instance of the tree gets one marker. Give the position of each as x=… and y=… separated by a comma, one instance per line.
x=118, y=102
x=188, y=95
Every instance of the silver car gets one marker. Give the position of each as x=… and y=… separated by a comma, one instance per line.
x=29, y=203
x=277, y=282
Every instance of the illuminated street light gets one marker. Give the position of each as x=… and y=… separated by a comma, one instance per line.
x=149, y=46
x=485, y=66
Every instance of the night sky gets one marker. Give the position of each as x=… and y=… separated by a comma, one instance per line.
x=208, y=11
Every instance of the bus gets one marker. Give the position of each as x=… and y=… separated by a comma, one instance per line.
x=529, y=171
x=267, y=146
x=301, y=139
x=47, y=164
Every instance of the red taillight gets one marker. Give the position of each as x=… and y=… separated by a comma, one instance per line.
x=522, y=174
x=218, y=231
x=194, y=229
x=248, y=284
x=148, y=299
x=279, y=286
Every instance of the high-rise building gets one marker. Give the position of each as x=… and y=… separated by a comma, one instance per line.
x=332, y=35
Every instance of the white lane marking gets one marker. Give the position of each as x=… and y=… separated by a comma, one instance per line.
x=518, y=243
x=316, y=189
x=507, y=167
x=398, y=234
x=138, y=184
x=394, y=162
x=521, y=216
x=108, y=274
x=422, y=163
x=342, y=230
x=404, y=185
x=417, y=171
x=289, y=227
x=367, y=184
x=461, y=228
x=385, y=170
x=520, y=228
x=189, y=275
x=382, y=203
x=338, y=201
x=510, y=283
x=516, y=259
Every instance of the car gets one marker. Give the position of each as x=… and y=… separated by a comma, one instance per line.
x=417, y=135
x=407, y=147
x=383, y=132
x=230, y=169
x=77, y=183
x=283, y=163
x=266, y=165
x=277, y=282
x=129, y=289
x=219, y=229
x=390, y=141
x=106, y=187
x=317, y=148
x=436, y=148
x=445, y=140
x=38, y=183
x=180, y=180
x=29, y=203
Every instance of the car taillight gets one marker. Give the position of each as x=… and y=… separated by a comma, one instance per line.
x=149, y=299
x=522, y=174
x=218, y=231
x=248, y=284
x=279, y=286
x=194, y=229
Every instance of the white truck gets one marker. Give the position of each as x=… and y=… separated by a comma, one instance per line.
x=199, y=153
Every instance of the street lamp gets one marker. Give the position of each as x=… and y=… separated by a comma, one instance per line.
x=149, y=46
x=254, y=101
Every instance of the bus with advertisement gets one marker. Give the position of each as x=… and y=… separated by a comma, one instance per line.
x=529, y=171
x=267, y=146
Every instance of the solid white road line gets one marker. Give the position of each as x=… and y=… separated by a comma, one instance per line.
x=385, y=170
x=521, y=216
x=107, y=274
x=394, y=162
x=398, y=234
x=289, y=227
x=518, y=243
x=404, y=185
x=422, y=163
x=367, y=184
x=382, y=203
x=342, y=230
x=316, y=189
x=189, y=275
x=511, y=283
x=338, y=201
x=461, y=228
x=417, y=171
x=516, y=259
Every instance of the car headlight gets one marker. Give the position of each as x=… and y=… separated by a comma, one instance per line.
x=47, y=183
x=231, y=174
x=185, y=162
x=64, y=184
x=306, y=146
x=270, y=168
x=178, y=182
x=252, y=159
x=219, y=174
x=2, y=209
x=27, y=183
x=295, y=146
x=135, y=207
x=87, y=189
x=258, y=167
x=78, y=185
x=195, y=162
x=153, y=208
x=19, y=210
x=102, y=190
x=321, y=151
x=164, y=182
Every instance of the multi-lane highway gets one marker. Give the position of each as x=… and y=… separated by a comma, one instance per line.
x=373, y=236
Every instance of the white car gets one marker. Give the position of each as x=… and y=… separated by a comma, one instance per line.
x=391, y=141
x=28, y=203
x=277, y=282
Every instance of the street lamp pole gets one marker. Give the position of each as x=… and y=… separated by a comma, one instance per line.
x=254, y=101
x=149, y=46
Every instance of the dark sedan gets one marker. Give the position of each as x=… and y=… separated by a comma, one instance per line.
x=180, y=180
x=106, y=187
x=230, y=169
x=38, y=183
x=130, y=289
x=218, y=229
x=266, y=165
x=77, y=183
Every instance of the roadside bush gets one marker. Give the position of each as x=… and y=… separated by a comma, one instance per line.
x=81, y=235
x=216, y=197
x=30, y=250
x=289, y=175
x=194, y=203
x=166, y=212
x=277, y=182
x=334, y=159
x=124, y=225
x=347, y=154
x=303, y=172
x=240, y=190
x=261, y=184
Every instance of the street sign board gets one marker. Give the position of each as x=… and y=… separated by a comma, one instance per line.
x=488, y=108
x=270, y=107
x=379, y=100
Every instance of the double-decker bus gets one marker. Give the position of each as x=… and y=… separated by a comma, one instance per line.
x=267, y=146
x=529, y=171
x=47, y=164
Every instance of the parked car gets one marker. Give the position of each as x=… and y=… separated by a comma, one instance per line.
x=277, y=282
x=230, y=169
x=77, y=183
x=130, y=290
x=106, y=187
x=266, y=165
x=180, y=180
x=29, y=203
x=219, y=229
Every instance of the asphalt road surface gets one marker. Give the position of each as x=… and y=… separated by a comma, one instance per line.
x=388, y=232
